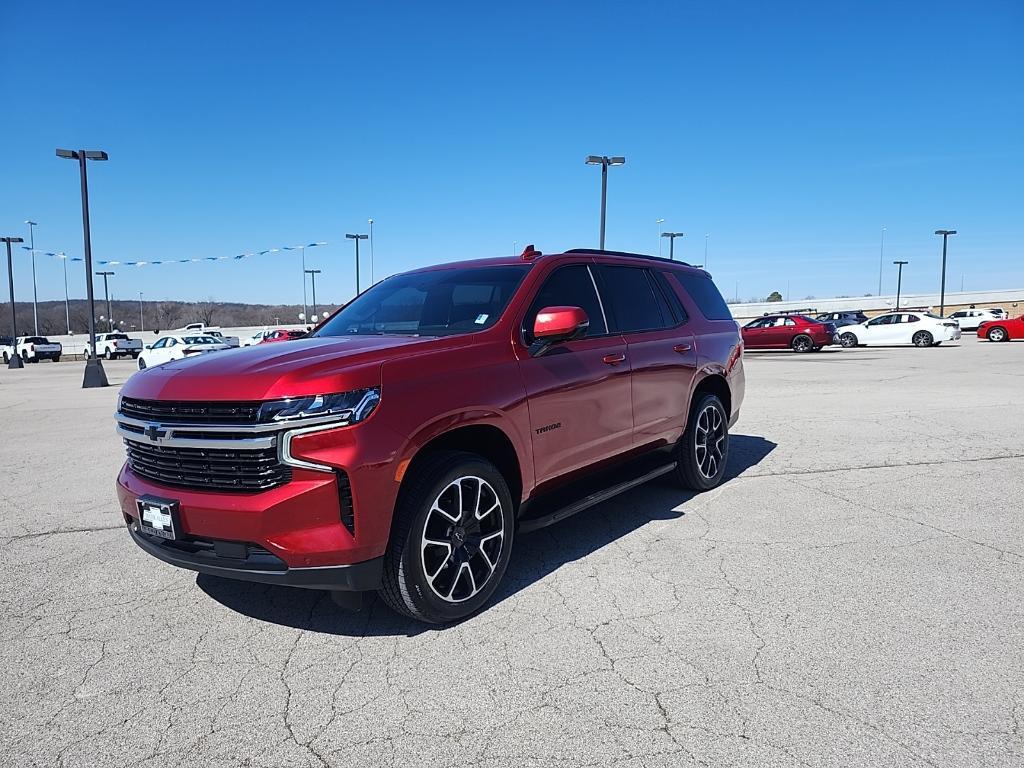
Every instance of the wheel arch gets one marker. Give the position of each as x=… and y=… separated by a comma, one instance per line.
x=483, y=438
x=714, y=383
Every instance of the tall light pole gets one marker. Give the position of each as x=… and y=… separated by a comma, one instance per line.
x=899, y=281
x=881, y=256
x=672, y=243
x=357, y=238
x=15, y=361
x=370, y=223
x=604, y=162
x=659, y=222
x=106, y=294
x=942, y=294
x=706, y=236
x=142, y=320
x=303, y=280
x=95, y=376
x=312, y=276
x=67, y=300
x=35, y=295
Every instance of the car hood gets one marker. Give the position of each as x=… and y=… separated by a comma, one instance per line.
x=268, y=371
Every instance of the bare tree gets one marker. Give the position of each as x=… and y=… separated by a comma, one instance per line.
x=167, y=314
x=206, y=310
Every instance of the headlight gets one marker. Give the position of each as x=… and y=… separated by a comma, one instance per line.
x=350, y=407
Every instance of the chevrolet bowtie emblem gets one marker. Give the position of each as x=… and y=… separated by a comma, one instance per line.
x=154, y=433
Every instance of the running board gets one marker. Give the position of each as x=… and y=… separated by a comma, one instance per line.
x=546, y=518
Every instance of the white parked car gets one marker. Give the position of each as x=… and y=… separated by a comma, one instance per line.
x=922, y=329
x=168, y=348
x=209, y=330
x=970, y=319
x=256, y=338
x=111, y=345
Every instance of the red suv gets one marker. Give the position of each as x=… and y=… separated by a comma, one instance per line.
x=797, y=332
x=407, y=441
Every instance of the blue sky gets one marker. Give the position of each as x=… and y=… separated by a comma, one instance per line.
x=790, y=132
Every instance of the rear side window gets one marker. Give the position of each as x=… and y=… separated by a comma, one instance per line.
x=632, y=300
x=570, y=286
x=704, y=294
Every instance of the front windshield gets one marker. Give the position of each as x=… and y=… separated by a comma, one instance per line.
x=439, y=302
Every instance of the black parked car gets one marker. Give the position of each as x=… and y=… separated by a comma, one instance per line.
x=842, y=318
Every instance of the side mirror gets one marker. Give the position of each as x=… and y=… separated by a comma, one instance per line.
x=149, y=346
x=555, y=325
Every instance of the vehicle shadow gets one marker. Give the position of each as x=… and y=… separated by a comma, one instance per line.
x=535, y=556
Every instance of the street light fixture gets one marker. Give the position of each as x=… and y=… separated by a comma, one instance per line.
x=942, y=295
x=95, y=376
x=604, y=162
x=672, y=243
x=15, y=361
x=357, y=238
x=32, y=249
x=142, y=319
x=312, y=276
x=899, y=282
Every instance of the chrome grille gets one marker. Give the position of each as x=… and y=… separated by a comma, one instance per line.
x=189, y=412
x=214, y=469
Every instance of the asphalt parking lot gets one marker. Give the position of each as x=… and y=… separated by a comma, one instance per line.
x=853, y=595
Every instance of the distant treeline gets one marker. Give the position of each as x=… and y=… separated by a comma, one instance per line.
x=158, y=315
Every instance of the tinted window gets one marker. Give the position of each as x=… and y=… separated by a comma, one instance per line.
x=439, y=302
x=36, y=340
x=570, y=286
x=674, y=305
x=160, y=344
x=762, y=323
x=884, y=320
x=704, y=294
x=631, y=300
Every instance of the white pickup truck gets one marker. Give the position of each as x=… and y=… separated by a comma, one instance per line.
x=33, y=349
x=111, y=345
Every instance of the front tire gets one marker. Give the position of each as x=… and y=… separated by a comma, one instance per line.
x=7, y=358
x=802, y=343
x=848, y=340
x=451, y=540
x=997, y=334
x=703, y=450
x=922, y=339
x=142, y=364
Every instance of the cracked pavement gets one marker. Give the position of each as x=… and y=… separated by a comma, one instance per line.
x=853, y=595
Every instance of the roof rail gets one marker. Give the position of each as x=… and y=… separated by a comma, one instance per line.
x=599, y=252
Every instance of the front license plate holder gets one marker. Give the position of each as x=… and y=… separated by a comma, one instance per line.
x=159, y=517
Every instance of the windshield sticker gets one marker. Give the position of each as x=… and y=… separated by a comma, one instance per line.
x=481, y=319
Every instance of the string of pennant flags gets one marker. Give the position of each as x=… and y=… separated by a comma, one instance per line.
x=150, y=262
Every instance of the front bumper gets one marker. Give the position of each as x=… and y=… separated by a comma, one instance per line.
x=262, y=567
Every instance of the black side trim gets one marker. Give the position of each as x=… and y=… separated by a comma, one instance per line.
x=590, y=491
x=348, y=516
x=598, y=252
x=356, y=577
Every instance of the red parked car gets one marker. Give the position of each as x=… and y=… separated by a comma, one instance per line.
x=281, y=334
x=1002, y=330
x=797, y=332
x=405, y=444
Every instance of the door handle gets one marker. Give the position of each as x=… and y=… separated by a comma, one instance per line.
x=613, y=359
x=682, y=349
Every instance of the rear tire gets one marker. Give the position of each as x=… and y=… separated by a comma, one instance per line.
x=997, y=333
x=451, y=538
x=56, y=359
x=802, y=343
x=703, y=451
x=108, y=355
x=922, y=339
x=848, y=340
x=7, y=358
